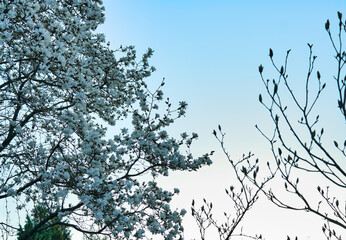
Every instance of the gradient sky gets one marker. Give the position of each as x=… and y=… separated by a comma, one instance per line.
x=209, y=53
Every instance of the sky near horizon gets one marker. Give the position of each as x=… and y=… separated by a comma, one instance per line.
x=209, y=53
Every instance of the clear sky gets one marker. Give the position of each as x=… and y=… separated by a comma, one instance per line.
x=209, y=53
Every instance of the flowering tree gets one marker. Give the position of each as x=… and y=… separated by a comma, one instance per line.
x=61, y=87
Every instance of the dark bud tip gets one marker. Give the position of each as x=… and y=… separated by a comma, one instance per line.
x=340, y=15
x=260, y=98
x=318, y=75
x=275, y=89
x=271, y=53
x=260, y=68
x=276, y=118
x=219, y=128
x=336, y=144
x=327, y=25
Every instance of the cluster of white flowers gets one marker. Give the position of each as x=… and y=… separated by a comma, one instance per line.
x=59, y=81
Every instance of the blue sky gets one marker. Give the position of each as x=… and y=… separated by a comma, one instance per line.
x=209, y=53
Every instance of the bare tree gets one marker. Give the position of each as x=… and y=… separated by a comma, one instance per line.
x=307, y=152
x=243, y=196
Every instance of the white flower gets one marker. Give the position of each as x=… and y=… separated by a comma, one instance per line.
x=66, y=175
x=11, y=192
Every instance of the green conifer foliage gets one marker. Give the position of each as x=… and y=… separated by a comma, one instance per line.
x=55, y=232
